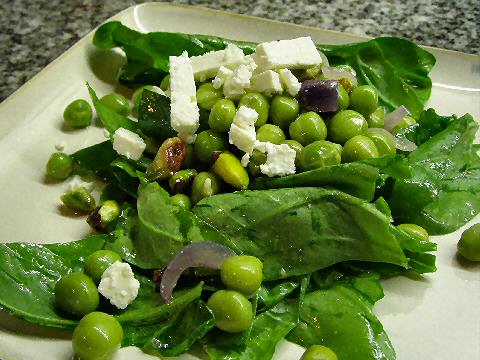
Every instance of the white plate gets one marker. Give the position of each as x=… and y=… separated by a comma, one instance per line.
x=437, y=317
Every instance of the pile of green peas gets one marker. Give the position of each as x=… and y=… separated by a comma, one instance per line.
x=242, y=275
x=98, y=335
x=318, y=140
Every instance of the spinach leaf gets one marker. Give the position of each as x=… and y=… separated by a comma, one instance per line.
x=340, y=318
x=445, y=175
x=110, y=119
x=271, y=293
x=29, y=272
x=162, y=230
x=268, y=329
x=357, y=179
x=396, y=67
x=95, y=160
x=301, y=230
x=148, y=54
x=154, y=116
x=183, y=330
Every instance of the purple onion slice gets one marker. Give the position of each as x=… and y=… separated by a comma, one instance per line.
x=392, y=119
x=400, y=143
x=319, y=95
x=201, y=254
x=339, y=74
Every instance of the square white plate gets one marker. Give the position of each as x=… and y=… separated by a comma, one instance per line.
x=437, y=317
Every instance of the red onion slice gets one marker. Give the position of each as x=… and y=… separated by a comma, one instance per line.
x=392, y=119
x=332, y=73
x=319, y=95
x=401, y=144
x=201, y=254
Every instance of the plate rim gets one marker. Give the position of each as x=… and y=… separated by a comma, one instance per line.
x=213, y=11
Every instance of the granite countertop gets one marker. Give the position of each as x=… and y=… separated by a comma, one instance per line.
x=36, y=32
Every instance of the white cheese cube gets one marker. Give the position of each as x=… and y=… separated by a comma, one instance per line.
x=245, y=159
x=128, y=144
x=235, y=85
x=184, y=112
x=280, y=159
x=289, y=81
x=267, y=83
x=242, y=131
x=300, y=53
x=222, y=76
x=119, y=285
x=206, y=66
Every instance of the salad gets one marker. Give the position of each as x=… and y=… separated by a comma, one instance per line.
x=320, y=174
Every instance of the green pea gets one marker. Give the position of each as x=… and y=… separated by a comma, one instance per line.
x=377, y=118
x=469, y=244
x=138, y=93
x=283, y=110
x=207, y=96
x=346, y=124
x=205, y=184
x=76, y=294
x=207, y=142
x=270, y=133
x=79, y=199
x=320, y=153
x=414, y=230
x=359, y=147
x=256, y=159
x=97, y=262
x=189, y=160
x=230, y=170
x=343, y=98
x=221, y=116
x=319, y=352
x=295, y=145
x=232, y=311
x=181, y=180
x=407, y=121
x=182, y=200
x=257, y=102
x=78, y=114
x=59, y=166
x=116, y=102
x=307, y=128
x=364, y=99
x=165, y=83
x=384, y=143
x=242, y=273
x=97, y=337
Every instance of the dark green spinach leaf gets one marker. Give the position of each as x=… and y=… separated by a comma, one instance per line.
x=110, y=119
x=29, y=272
x=357, y=179
x=154, y=116
x=446, y=175
x=301, y=230
x=340, y=318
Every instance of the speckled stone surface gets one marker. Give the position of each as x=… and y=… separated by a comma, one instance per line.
x=35, y=32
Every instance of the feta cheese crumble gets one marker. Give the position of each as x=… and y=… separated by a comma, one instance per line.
x=222, y=76
x=280, y=159
x=242, y=131
x=267, y=83
x=207, y=65
x=300, y=53
x=184, y=112
x=119, y=285
x=289, y=81
x=128, y=144
x=235, y=85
